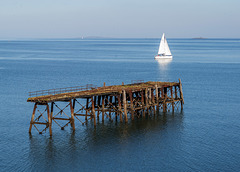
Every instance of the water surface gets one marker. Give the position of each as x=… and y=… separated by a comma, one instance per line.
x=204, y=137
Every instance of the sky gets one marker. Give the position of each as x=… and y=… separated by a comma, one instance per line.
x=119, y=18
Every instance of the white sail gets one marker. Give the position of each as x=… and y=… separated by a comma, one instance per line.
x=163, y=47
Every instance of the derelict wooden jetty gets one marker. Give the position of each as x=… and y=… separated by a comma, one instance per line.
x=122, y=102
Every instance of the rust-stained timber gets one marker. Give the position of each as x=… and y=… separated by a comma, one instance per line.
x=119, y=107
x=32, y=119
x=130, y=93
x=49, y=121
x=109, y=101
x=93, y=111
x=157, y=100
x=125, y=106
x=142, y=101
x=181, y=93
x=171, y=88
x=72, y=113
x=103, y=108
x=86, y=110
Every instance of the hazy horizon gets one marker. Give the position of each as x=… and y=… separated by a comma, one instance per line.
x=119, y=19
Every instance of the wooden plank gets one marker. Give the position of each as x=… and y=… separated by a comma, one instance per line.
x=65, y=119
x=41, y=123
x=78, y=114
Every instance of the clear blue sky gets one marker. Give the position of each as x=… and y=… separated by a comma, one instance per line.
x=119, y=18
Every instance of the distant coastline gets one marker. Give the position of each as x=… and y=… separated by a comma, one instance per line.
x=199, y=38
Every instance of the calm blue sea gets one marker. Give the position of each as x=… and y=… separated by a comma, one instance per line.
x=204, y=137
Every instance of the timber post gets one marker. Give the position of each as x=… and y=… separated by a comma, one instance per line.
x=103, y=108
x=86, y=115
x=146, y=99
x=125, y=106
x=172, y=99
x=32, y=119
x=93, y=111
x=120, y=108
x=157, y=101
x=142, y=101
x=181, y=93
x=49, y=121
x=72, y=113
x=130, y=93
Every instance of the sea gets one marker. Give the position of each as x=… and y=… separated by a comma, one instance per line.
x=205, y=136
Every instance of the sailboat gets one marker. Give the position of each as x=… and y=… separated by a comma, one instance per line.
x=163, y=51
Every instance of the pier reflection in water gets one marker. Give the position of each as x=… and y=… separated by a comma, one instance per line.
x=142, y=138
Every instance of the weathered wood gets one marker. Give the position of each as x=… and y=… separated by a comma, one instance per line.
x=150, y=96
x=125, y=106
x=86, y=109
x=181, y=93
x=52, y=103
x=33, y=115
x=130, y=93
x=119, y=100
x=164, y=99
x=172, y=98
x=146, y=99
x=157, y=100
x=98, y=108
x=110, y=102
x=142, y=101
x=65, y=119
x=41, y=123
x=78, y=114
x=103, y=108
x=72, y=114
x=49, y=121
x=93, y=111
x=120, y=108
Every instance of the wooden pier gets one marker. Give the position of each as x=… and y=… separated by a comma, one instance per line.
x=122, y=102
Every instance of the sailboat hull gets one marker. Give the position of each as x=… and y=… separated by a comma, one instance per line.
x=163, y=57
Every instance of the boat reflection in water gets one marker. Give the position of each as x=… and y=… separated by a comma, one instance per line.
x=163, y=63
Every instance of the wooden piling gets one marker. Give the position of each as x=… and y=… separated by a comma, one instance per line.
x=93, y=111
x=181, y=93
x=103, y=108
x=32, y=119
x=142, y=101
x=130, y=93
x=146, y=99
x=86, y=110
x=120, y=108
x=72, y=114
x=125, y=105
x=157, y=101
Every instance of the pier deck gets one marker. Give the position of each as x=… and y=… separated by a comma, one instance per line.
x=117, y=101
